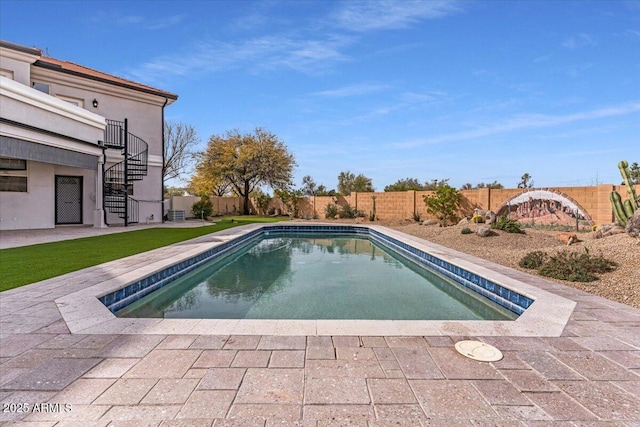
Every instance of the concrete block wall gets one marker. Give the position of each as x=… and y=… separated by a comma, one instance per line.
x=402, y=205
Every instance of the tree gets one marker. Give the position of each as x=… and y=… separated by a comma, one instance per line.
x=467, y=186
x=494, y=185
x=247, y=161
x=405, y=185
x=435, y=184
x=444, y=203
x=204, y=183
x=309, y=186
x=174, y=191
x=348, y=183
x=179, y=142
x=525, y=181
x=322, y=191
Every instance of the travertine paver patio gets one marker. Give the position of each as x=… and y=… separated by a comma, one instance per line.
x=590, y=375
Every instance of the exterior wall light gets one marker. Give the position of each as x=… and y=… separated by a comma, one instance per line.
x=95, y=103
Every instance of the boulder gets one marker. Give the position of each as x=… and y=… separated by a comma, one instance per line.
x=605, y=230
x=633, y=225
x=464, y=221
x=484, y=231
x=429, y=222
x=490, y=217
x=568, y=238
x=484, y=215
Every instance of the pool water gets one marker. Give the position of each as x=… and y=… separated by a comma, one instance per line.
x=328, y=276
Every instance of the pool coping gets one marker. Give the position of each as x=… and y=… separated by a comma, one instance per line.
x=547, y=316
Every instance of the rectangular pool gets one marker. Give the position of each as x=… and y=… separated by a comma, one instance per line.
x=319, y=274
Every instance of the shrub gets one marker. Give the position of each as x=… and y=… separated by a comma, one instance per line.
x=416, y=216
x=330, y=211
x=466, y=230
x=263, y=201
x=508, y=225
x=347, y=212
x=444, y=203
x=202, y=209
x=533, y=260
x=575, y=267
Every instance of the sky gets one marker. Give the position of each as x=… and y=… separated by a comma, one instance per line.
x=473, y=91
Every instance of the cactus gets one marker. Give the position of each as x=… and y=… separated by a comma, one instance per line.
x=372, y=214
x=624, y=211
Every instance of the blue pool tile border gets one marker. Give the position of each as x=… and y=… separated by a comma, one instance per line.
x=507, y=298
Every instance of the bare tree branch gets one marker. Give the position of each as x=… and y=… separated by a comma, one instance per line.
x=179, y=142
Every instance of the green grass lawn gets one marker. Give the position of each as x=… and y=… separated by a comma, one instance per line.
x=29, y=264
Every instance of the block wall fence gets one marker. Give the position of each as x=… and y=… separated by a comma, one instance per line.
x=401, y=205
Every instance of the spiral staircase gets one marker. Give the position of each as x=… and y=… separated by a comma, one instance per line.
x=119, y=178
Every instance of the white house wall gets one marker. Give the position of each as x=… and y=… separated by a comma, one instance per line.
x=144, y=114
x=36, y=208
x=33, y=209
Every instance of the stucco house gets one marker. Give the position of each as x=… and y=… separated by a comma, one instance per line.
x=77, y=146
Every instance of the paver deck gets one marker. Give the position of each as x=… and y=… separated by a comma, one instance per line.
x=589, y=375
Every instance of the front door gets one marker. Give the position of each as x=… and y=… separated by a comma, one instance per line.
x=68, y=199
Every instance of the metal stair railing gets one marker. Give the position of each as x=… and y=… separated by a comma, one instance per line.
x=119, y=177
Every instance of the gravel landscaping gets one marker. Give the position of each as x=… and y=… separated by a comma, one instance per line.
x=621, y=285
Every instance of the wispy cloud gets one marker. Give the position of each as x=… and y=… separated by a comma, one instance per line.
x=578, y=41
x=162, y=23
x=115, y=18
x=262, y=53
x=525, y=121
x=424, y=97
x=385, y=15
x=635, y=34
x=353, y=90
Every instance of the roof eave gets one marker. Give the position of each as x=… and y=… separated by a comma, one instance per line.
x=55, y=67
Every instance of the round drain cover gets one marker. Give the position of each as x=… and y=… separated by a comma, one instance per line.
x=477, y=350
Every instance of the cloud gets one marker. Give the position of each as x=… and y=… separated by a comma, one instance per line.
x=261, y=53
x=354, y=90
x=116, y=18
x=161, y=24
x=635, y=34
x=386, y=15
x=525, y=121
x=578, y=41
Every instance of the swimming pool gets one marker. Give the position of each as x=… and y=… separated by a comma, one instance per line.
x=112, y=286
x=315, y=275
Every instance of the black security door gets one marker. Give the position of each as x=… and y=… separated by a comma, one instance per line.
x=68, y=199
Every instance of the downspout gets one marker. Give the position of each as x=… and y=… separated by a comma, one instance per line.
x=104, y=206
x=166, y=101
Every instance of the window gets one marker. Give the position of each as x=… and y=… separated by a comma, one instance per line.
x=6, y=73
x=75, y=101
x=13, y=175
x=42, y=87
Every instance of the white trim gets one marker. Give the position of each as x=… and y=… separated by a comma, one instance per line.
x=78, y=102
x=97, y=86
x=154, y=160
x=18, y=56
x=7, y=73
x=30, y=96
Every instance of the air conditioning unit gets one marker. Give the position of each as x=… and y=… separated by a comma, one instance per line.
x=175, y=215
